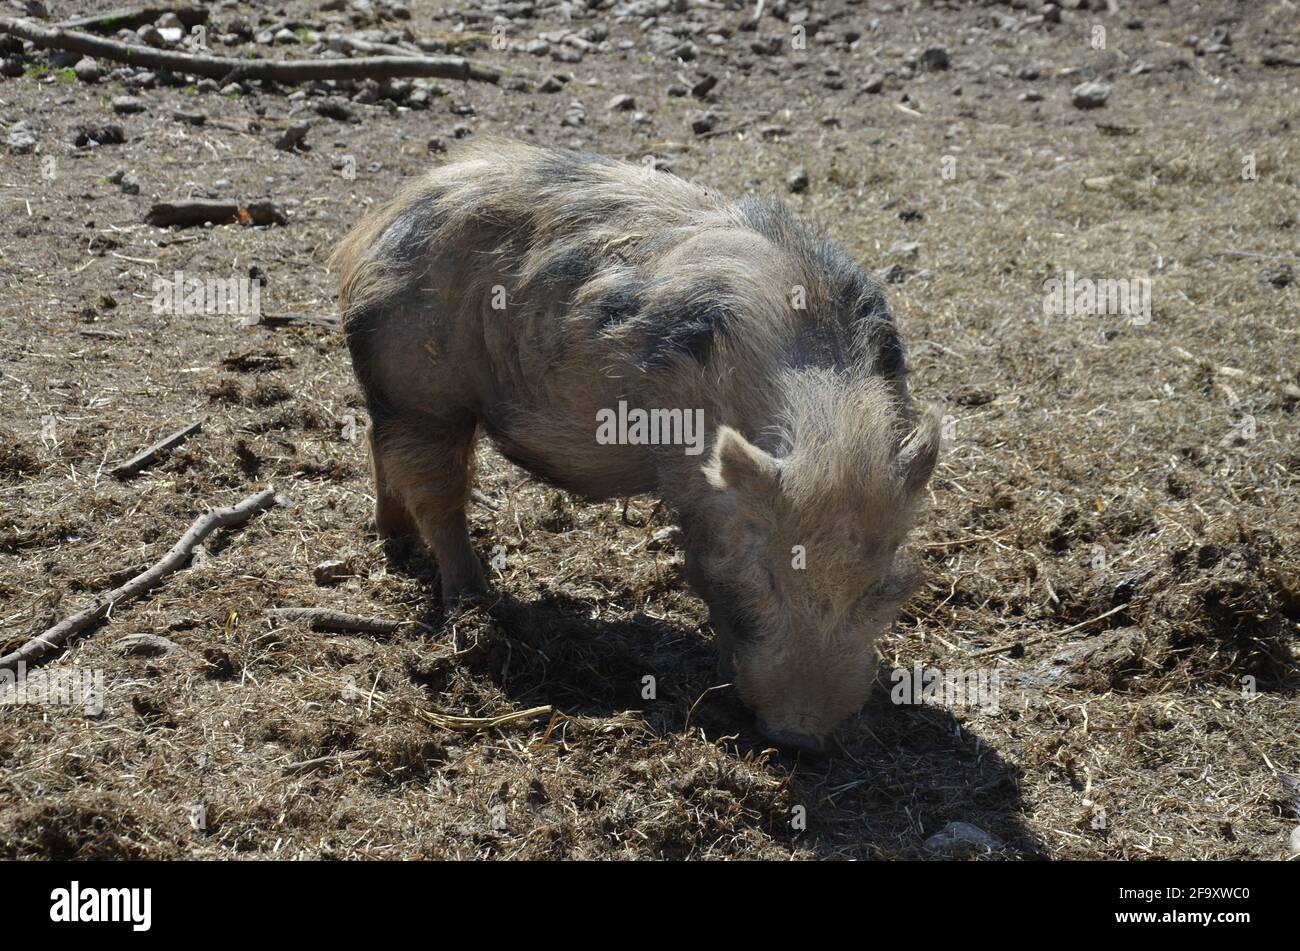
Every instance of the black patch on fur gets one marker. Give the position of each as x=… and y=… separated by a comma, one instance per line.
x=686, y=323
x=407, y=236
x=567, y=269
x=620, y=306
x=566, y=167
x=769, y=218
x=874, y=326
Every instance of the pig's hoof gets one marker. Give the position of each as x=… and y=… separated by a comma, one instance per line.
x=457, y=596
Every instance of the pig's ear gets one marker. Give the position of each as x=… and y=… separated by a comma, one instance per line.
x=739, y=465
x=919, y=451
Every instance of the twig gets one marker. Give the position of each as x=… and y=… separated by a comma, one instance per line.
x=288, y=320
x=1047, y=637
x=146, y=457
x=486, y=723
x=484, y=500
x=691, y=712
x=236, y=70
x=327, y=619
x=311, y=765
x=203, y=526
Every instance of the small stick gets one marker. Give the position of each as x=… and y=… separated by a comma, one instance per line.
x=484, y=500
x=147, y=457
x=311, y=765
x=1047, y=637
x=286, y=320
x=174, y=560
x=327, y=619
x=486, y=723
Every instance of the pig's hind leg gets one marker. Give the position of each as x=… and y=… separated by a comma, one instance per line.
x=424, y=471
x=392, y=519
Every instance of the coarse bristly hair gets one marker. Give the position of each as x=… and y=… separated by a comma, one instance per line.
x=621, y=282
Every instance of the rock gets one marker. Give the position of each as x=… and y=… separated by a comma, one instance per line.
x=331, y=572
x=147, y=645
x=171, y=35
x=129, y=184
x=704, y=86
x=797, y=181
x=149, y=35
x=266, y=213
x=189, y=118
x=705, y=123
x=874, y=83
x=11, y=67
x=1278, y=275
x=897, y=274
x=127, y=105
x=935, y=58
x=169, y=21
x=1090, y=95
x=537, y=47
x=93, y=134
x=551, y=83
x=576, y=116
x=1099, y=183
x=293, y=138
x=1294, y=845
x=21, y=141
x=664, y=538
x=1031, y=95
x=907, y=249
x=284, y=37
x=675, y=91
x=622, y=103
x=335, y=107
x=960, y=839
x=87, y=70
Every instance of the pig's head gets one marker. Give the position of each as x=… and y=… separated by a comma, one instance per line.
x=800, y=560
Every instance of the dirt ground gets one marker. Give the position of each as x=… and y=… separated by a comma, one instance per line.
x=1114, y=527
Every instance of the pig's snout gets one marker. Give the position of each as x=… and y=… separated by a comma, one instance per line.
x=794, y=740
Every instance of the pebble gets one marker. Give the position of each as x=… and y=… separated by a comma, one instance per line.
x=127, y=105
x=87, y=70
x=958, y=839
x=797, y=181
x=1090, y=95
x=935, y=58
x=21, y=141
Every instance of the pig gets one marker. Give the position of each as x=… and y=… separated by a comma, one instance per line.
x=524, y=293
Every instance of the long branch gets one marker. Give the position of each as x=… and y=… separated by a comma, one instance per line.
x=233, y=70
x=177, y=558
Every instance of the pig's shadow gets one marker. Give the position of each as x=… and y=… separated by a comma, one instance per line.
x=902, y=774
